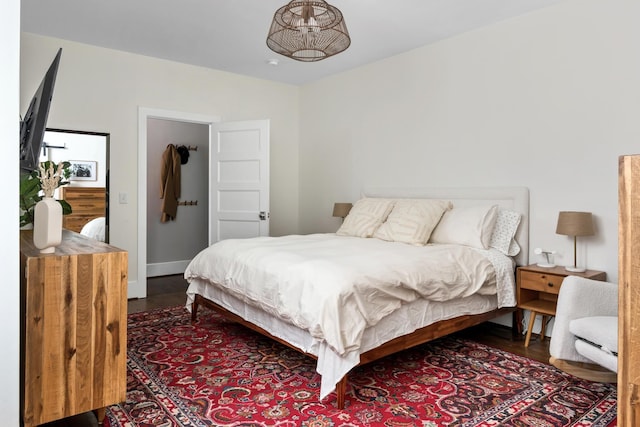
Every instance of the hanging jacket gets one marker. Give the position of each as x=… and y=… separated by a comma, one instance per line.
x=170, y=183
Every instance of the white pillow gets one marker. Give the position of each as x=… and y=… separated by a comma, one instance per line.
x=95, y=229
x=412, y=220
x=470, y=226
x=365, y=217
x=504, y=232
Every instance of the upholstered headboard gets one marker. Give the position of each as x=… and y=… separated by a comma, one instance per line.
x=513, y=198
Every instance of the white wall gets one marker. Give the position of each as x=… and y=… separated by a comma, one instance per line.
x=101, y=89
x=9, y=224
x=548, y=101
x=172, y=244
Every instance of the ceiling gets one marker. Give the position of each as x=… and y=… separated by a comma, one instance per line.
x=230, y=35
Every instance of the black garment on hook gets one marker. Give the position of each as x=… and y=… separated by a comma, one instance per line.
x=184, y=154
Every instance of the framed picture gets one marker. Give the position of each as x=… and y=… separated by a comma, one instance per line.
x=84, y=170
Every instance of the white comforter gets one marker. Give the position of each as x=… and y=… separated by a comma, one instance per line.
x=336, y=286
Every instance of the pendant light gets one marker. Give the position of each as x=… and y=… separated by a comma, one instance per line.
x=308, y=31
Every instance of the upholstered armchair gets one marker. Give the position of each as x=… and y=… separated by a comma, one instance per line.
x=584, y=341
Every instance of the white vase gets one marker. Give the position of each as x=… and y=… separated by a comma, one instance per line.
x=47, y=225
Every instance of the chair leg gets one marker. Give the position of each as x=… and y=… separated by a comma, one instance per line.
x=532, y=319
x=543, y=329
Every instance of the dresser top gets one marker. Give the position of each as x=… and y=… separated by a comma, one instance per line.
x=72, y=244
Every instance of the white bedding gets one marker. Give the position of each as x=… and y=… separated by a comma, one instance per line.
x=95, y=229
x=310, y=282
x=407, y=319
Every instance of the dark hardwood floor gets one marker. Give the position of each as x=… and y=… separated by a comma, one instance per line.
x=169, y=291
x=164, y=291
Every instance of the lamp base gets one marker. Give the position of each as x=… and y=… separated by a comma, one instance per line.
x=545, y=265
x=576, y=269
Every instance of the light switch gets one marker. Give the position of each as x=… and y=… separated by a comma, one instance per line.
x=123, y=198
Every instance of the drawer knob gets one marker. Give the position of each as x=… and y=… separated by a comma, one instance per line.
x=550, y=285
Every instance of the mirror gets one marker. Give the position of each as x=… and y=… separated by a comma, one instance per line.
x=88, y=188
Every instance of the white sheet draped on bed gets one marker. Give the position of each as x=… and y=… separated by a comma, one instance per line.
x=336, y=287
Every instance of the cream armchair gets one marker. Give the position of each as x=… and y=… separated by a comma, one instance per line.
x=584, y=341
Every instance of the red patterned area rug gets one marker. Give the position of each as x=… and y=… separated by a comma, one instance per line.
x=218, y=373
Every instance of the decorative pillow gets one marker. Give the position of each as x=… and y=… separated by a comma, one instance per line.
x=471, y=226
x=412, y=220
x=504, y=232
x=365, y=217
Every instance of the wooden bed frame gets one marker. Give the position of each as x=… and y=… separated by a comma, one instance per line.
x=420, y=336
x=516, y=198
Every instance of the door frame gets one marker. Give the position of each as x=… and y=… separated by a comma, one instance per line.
x=138, y=288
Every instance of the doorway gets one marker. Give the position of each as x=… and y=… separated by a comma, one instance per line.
x=172, y=243
x=238, y=180
x=138, y=289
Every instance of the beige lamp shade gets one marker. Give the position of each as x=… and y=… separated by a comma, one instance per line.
x=341, y=210
x=575, y=224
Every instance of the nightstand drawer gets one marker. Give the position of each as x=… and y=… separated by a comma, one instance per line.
x=540, y=282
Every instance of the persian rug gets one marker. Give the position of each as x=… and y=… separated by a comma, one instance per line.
x=219, y=373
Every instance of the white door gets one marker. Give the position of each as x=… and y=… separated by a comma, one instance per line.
x=239, y=180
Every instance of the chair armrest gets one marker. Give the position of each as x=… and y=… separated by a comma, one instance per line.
x=579, y=297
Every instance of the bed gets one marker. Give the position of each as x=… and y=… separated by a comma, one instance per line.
x=95, y=229
x=292, y=288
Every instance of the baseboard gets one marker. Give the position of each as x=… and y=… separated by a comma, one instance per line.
x=167, y=268
x=133, y=292
x=506, y=320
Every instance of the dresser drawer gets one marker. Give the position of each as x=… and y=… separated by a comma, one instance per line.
x=86, y=197
x=87, y=206
x=549, y=283
x=83, y=193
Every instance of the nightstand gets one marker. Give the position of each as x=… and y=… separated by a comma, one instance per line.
x=537, y=290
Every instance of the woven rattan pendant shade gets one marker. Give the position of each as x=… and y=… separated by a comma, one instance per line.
x=308, y=31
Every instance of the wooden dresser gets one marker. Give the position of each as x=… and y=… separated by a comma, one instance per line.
x=629, y=291
x=73, y=328
x=86, y=203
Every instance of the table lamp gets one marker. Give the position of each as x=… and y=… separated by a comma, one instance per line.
x=575, y=224
x=341, y=210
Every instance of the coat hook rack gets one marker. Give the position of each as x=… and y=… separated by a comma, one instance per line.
x=189, y=203
x=192, y=147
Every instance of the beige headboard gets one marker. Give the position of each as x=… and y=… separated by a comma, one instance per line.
x=513, y=198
